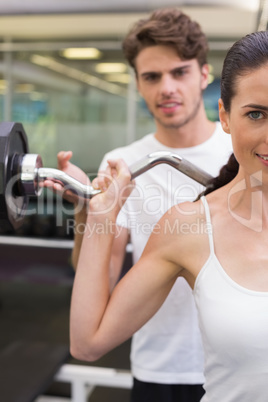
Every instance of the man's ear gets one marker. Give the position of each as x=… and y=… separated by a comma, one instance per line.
x=224, y=117
x=204, y=76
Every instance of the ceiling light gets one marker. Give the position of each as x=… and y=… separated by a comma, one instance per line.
x=40, y=60
x=24, y=88
x=122, y=78
x=106, y=68
x=78, y=75
x=81, y=53
x=3, y=84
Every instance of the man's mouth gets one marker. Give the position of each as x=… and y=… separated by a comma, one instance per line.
x=169, y=105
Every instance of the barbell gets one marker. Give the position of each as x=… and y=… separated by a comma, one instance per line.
x=22, y=174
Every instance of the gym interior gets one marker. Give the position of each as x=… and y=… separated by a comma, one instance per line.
x=87, y=103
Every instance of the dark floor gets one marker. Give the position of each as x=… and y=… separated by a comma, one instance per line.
x=35, y=290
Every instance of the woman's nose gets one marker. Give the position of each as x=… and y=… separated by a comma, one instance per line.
x=265, y=134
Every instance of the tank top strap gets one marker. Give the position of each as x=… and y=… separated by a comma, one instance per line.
x=209, y=223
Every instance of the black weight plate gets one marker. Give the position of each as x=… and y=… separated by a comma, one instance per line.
x=13, y=142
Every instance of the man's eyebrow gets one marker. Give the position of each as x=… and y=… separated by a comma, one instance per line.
x=186, y=66
x=150, y=72
x=255, y=106
x=182, y=67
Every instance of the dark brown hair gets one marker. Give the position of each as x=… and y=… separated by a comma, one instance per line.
x=247, y=54
x=168, y=27
x=227, y=174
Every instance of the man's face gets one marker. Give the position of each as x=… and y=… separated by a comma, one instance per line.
x=171, y=87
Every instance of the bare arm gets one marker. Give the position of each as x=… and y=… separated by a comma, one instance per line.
x=80, y=222
x=100, y=321
x=118, y=255
x=118, y=249
x=80, y=216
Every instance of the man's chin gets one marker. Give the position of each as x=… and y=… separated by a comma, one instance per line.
x=171, y=124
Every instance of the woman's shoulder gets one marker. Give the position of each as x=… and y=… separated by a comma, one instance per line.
x=186, y=212
x=182, y=224
x=183, y=237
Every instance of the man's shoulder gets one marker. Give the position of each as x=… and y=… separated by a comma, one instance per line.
x=219, y=129
x=221, y=137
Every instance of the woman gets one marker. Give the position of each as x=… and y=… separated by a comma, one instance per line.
x=218, y=244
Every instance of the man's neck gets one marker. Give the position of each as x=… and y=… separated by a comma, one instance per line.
x=192, y=134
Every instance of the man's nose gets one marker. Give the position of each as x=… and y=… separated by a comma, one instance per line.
x=167, y=87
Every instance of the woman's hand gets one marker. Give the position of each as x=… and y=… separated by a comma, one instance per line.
x=115, y=184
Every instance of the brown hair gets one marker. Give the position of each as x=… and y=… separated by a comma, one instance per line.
x=168, y=27
x=227, y=174
x=247, y=54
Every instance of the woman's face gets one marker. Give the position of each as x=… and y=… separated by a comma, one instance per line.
x=247, y=121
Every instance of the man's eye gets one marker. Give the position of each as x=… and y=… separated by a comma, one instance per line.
x=179, y=73
x=150, y=77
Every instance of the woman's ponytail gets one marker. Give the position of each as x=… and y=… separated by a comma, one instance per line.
x=227, y=173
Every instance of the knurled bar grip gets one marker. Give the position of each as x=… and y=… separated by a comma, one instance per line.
x=172, y=159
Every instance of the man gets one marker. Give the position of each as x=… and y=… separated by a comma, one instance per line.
x=168, y=52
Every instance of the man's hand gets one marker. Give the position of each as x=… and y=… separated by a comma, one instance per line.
x=72, y=170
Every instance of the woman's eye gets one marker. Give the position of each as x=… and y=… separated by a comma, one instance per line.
x=255, y=115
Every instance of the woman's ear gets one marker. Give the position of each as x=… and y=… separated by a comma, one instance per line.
x=224, y=117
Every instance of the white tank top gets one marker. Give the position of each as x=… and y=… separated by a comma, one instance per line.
x=168, y=348
x=234, y=326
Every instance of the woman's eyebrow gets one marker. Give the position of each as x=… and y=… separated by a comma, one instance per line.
x=255, y=106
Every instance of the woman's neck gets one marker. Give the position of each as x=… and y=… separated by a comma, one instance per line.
x=247, y=199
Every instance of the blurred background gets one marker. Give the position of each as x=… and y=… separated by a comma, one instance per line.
x=63, y=75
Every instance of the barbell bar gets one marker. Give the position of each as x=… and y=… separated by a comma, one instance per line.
x=33, y=174
x=22, y=174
